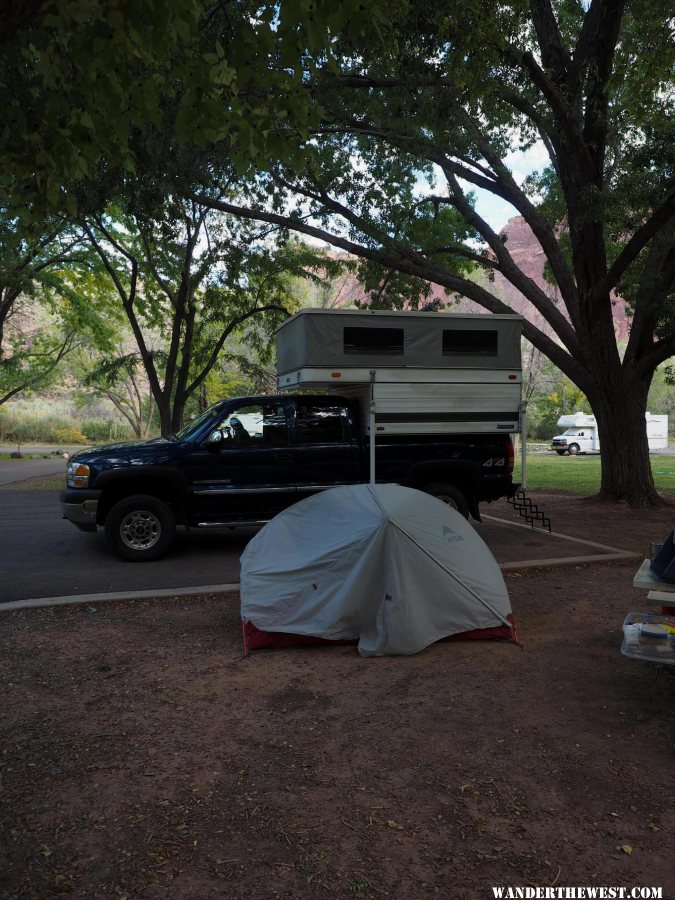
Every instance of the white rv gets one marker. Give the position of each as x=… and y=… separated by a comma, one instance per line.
x=581, y=434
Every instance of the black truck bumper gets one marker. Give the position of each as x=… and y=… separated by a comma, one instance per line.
x=79, y=507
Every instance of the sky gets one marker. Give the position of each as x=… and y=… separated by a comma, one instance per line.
x=493, y=209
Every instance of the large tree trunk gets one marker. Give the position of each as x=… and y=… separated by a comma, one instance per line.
x=165, y=417
x=177, y=414
x=619, y=405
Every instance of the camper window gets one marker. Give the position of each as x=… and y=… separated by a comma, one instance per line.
x=470, y=342
x=373, y=341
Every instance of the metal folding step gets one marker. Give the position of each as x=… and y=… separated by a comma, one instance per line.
x=529, y=511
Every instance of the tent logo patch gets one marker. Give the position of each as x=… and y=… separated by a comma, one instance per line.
x=451, y=536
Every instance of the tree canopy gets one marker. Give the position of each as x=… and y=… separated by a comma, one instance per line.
x=79, y=79
x=445, y=93
x=42, y=318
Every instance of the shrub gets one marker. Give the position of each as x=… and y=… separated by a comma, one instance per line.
x=101, y=431
x=68, y=435
x=55, y=423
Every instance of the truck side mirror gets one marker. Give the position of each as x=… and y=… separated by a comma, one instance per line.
x=215, y=439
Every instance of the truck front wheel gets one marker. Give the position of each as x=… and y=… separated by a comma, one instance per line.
x=573, y=449
x=449, y=494
x=140, y=528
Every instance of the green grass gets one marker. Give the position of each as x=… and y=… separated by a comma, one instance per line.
x=39, y=483
x=26, y=454
x=581, y=474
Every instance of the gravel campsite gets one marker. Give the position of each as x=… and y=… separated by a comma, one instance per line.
x=144, y=756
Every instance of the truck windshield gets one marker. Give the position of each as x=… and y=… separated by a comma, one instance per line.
x=194, y=426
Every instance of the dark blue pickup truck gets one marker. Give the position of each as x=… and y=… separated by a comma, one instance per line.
x=245, y=460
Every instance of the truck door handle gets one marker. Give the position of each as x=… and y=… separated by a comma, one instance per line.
x=282, y=457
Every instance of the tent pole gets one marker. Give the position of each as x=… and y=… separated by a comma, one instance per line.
x=371, y=426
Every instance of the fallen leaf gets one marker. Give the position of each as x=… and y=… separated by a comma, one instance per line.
x=392, y=824
x=626, y=848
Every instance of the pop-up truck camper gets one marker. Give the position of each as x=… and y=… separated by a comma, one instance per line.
x=581, y=434
x=425, y=400
x=422, y=373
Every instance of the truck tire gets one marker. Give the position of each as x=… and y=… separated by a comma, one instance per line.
x=140, y=528
x=449, y=494
x=573, y=449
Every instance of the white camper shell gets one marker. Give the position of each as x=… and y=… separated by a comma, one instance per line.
x=420, y=372
x=581, y=434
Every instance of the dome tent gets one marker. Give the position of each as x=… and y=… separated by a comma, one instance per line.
x=386, y=566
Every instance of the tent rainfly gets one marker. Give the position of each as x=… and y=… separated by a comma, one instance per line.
x=384, y=566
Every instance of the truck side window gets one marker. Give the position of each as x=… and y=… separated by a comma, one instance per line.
x=256, y=422
x=316, y=423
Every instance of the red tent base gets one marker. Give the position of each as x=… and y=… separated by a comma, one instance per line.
x=255, y=639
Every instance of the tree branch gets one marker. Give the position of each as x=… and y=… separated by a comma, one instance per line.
x=428, y=272
x=659, y=218
x=502, y=185
x=529, y=288
x=150, y=259
x=65, y=348
x=594, y=55
x=659, y=352
x=235, y=323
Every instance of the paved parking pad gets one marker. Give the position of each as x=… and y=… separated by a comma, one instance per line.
x=43, y=556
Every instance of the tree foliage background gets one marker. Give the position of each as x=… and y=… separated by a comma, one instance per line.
x=371, y=127
x=445, y=93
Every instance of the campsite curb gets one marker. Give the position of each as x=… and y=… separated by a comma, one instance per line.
x=563, y=561
x=159, y=594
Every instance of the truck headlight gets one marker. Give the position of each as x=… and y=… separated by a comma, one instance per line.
x=77, y=475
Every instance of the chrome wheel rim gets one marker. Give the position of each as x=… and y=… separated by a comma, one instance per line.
x=140, y=530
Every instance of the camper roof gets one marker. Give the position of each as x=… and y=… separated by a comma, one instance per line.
x=352, y=338
x=577, y=420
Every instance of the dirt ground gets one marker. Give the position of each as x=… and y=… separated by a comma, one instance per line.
x=143, y=756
